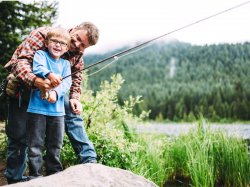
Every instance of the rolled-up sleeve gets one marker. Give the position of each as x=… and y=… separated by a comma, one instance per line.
x=22, y=59
x=75, y=90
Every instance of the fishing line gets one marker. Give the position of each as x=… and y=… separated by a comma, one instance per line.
x=119, y=55
x=117, y=58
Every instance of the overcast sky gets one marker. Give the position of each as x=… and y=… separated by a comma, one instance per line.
x=130, y=21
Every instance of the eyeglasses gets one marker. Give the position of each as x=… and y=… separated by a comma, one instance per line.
x=62, y=44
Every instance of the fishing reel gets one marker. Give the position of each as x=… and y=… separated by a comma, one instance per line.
x=44, y=95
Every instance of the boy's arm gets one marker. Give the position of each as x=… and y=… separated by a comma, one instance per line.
x=40, y=69
x=39, y=65
x=64, y=87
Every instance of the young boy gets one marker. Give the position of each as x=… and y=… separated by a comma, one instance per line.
x=45, y=124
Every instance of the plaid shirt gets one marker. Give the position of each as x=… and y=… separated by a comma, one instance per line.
x=21, y=62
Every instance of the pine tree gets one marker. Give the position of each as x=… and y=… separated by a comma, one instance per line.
x=17, y=19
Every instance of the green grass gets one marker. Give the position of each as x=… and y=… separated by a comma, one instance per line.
x=148, y=160
x=210, y=158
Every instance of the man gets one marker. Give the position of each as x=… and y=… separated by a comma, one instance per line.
x=82, y=37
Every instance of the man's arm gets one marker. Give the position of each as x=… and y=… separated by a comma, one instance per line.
x=22, y=68
x=75, y=90
x=42, y=84
x=21, y=61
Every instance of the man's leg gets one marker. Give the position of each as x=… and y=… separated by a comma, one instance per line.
x=77, y=135
x=54, y=142
x=17, y=147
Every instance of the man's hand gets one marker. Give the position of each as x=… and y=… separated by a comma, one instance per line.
x=55, y=79
x=43, y=85
x=76, y=106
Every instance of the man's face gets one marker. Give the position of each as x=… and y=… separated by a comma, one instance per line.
x=79, y=41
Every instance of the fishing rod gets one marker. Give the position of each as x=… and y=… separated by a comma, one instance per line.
x=117, y=55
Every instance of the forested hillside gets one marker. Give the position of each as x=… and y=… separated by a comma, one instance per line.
x=179, y=81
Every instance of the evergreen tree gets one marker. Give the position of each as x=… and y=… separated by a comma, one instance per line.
x=17, y=19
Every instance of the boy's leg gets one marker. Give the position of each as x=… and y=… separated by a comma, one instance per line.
x=36, y=127
x=54, y=141
x=16, y=147
x=77, y=135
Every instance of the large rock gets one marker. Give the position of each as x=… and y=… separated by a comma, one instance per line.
x=86, y=175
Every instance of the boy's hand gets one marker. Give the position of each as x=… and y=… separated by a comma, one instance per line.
x=55, y=79
x=52, y=96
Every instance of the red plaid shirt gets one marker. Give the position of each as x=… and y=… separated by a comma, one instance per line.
x=21, y=62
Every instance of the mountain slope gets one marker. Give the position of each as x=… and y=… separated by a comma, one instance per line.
x=179, y=81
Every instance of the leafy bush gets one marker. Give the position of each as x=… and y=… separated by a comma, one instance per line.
x=107, y=125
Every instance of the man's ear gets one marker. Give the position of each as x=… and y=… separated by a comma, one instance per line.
x=46, y=43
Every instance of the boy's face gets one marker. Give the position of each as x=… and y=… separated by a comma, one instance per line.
x=57, y=47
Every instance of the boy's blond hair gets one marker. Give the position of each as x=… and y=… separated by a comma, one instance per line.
x=59, y=32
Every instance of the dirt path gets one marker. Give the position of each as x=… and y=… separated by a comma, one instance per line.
x=2, y=168
x=2, y=162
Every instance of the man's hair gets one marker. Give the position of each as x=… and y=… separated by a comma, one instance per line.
x=59, y=32
x=92, y=31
